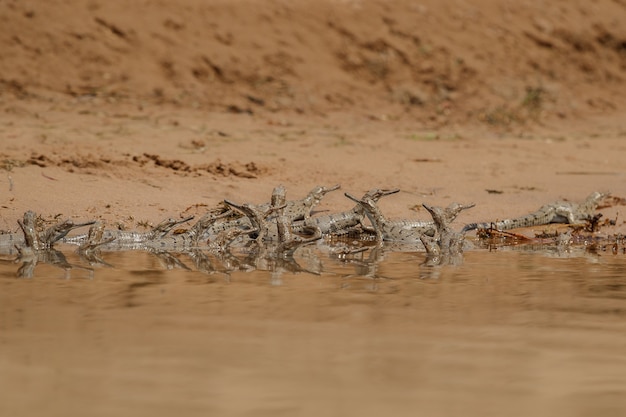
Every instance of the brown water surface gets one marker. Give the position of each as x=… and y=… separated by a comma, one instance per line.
x=506, y=333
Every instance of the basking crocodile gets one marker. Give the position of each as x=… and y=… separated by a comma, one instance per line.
x=214, y=230
x=345, y=221
x=446, y=246
x=157, y=238
x=128, y=238
x=35, y=237
x=557, y=212
x=267, y=235
x=403, y=230
x=273, y=222
x=295, y=210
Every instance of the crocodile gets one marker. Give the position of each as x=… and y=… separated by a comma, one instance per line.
x=274, y=222
x=446, y=246
x=270, y=234
x=402, y=230
x=257, y=224
x=330, y=224
x=301, y=209
x=157, y=238
x=345, y=221
x=557, y=212
x=35, y=237
x=128, y=238
x=220, y=233
x=295, y=210
x=288, y=241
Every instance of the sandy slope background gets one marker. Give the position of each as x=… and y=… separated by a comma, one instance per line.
x=136, y=111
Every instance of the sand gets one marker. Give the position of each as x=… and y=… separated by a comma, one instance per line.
x=134, y=112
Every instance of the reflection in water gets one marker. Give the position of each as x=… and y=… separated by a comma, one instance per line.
x=365, y=256
x=509, y=332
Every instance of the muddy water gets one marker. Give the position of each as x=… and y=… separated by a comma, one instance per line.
x=510, y=333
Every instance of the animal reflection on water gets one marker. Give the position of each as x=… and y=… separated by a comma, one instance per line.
x=283, y=237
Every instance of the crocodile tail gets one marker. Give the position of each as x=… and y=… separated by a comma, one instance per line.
x=472, y=226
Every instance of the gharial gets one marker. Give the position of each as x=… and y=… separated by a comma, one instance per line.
x=557, y=212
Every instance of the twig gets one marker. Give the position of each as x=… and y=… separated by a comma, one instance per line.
x=49, y=177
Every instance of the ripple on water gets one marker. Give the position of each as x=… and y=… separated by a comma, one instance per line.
x=507, y=332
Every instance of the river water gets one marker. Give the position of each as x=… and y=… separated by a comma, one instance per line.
x=504, y=333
